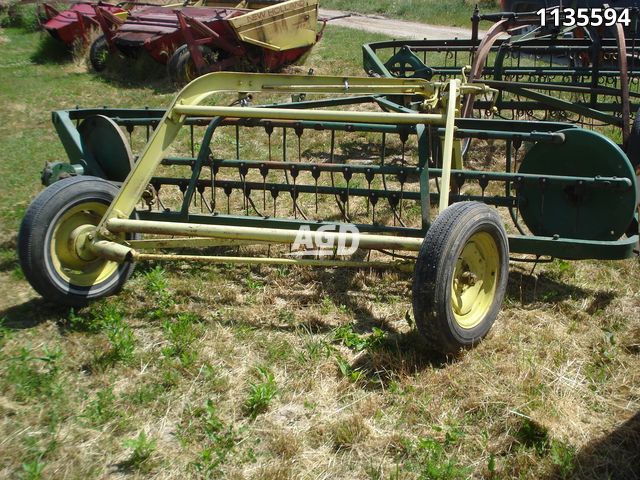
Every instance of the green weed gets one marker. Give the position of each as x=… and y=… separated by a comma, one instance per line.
x=108, y=319
x=122, y=341
x=142, y=448
x=261, y=392
x=347, y=370
x=221, y=441
x=33, y=376
x=254, y=284
x=327, y=306
x=5, y=333
x=532, y=435
x=156, y=284
x=146, y=394
x=32, y=470
x=351, y=339
x=314, y=350
x=433, y=463
x=602, y=358
x=102, y=409
x=97, y=319
x=181, y=334
x=563, y=457
x=286, y=316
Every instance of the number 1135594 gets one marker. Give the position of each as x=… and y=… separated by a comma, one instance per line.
x=583, y=17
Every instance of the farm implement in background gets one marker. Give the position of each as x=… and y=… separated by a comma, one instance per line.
x=76, y=23
x=337, y=161
x=193, y=40
x=586, y=76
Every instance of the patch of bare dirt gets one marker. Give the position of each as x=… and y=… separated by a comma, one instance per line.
x=394, y=28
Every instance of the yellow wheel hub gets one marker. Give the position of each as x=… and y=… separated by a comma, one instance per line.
x=474, y=282
x=70, y=255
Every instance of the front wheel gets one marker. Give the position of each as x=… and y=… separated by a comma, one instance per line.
x=51, y=239
x=461, y=276
x=99, y=53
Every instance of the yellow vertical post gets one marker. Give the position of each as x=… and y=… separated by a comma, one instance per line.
x=447, y=152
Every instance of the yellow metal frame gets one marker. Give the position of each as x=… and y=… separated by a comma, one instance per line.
x=282, y=26
x=189, y=102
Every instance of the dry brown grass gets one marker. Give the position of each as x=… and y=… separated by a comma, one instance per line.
x=559, y=373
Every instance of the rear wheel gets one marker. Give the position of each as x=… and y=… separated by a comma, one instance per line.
x=51, y=240
x=182, y=69
x=99, y=53
x=461, y=276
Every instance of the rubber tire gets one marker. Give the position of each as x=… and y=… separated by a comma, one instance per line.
x=180, y=62
x=33, y=244
x=99, y=54
x=434, y=270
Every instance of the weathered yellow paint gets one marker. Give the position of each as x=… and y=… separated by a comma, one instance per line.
x=157, y=243
x=447, y=152
x=474, y=280
x=220, y=82
x=318, y=115
x=282, y=26
x=71, y=258
x=397, y=264
x=274, y=235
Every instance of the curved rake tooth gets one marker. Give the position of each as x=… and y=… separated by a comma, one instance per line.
x=402, y=178
x=299, y=130
x=404, y=136
x=268, y=128
x=315, y=173
x=227, y=191
x=347, y=173
x=294, y=192
x=373, y=198
x=274, y=195
x=243, y=170
x=369, y=175
x=264, y=171
x=484, y=183
x=213, y=169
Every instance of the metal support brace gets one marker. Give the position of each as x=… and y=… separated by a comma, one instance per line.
x=447, y=152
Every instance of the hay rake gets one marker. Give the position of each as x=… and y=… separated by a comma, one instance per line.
x=586, y=76
x=341, y=164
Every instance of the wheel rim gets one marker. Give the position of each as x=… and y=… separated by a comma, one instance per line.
x=474, y=281
x=73, y=263
x=189, y=71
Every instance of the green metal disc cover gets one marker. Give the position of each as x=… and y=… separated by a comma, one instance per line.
x=572, y=210
x=104, y=143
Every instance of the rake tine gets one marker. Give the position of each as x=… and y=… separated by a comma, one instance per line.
x=237, y=142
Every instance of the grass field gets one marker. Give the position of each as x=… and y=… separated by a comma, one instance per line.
x=279, y=373
x=456, y=12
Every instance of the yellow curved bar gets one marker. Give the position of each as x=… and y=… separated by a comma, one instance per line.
x=222, y=82
x=188, y=102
